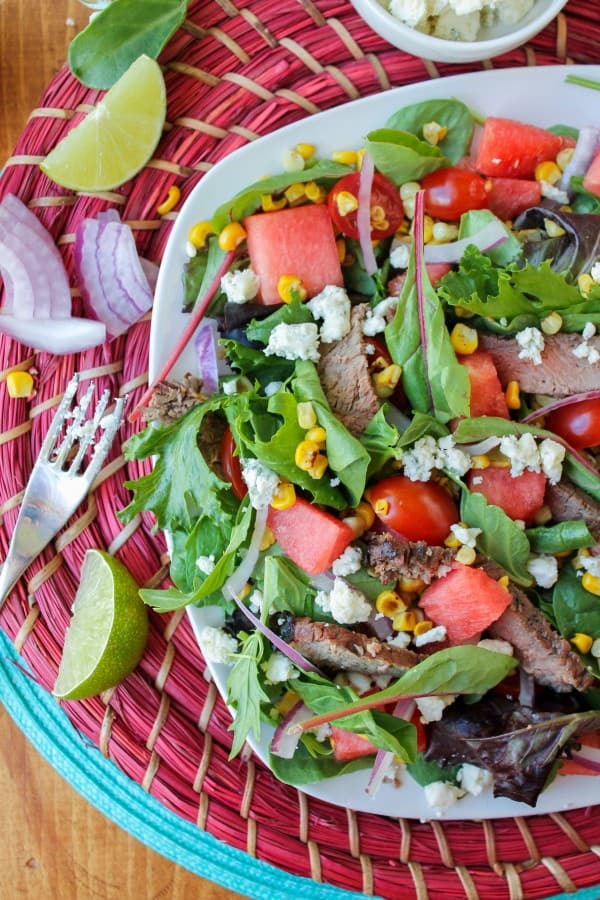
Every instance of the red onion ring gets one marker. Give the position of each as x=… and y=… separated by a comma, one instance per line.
x=363, y=213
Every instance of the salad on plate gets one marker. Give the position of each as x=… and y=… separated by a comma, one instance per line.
x=379, y=478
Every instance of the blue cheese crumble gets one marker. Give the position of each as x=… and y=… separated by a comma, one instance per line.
x=217, y=645
x=332, y=305
x=240, y=285
x=261, y=482
x=345, y=603
x=299, y=341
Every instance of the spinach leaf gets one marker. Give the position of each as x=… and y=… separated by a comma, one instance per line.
x=119, y=34
x=199, y=273
x=347, y=456
x=576, y=611
x=506, y=252
x=245, y=691
x=457, y=117
x=559, y=538
x=433, y=379
x=304, y=768
x=370, y=585
x=583, y=477
x=426, y=772
x=583, y=201
x=286, y=587
x=253, y=363
x=248, y=200
x=500, y=539
x=381, y=440
x=293, y=313
x=401, y=156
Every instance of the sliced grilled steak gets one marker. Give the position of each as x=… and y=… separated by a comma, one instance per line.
x=560, y=373
x=344, y=372
x=171, y=400
x=392, y=558
x=541, y=651
x=337, y=648
x=567, y=502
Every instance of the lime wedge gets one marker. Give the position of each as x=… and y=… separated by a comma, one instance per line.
x=118, y=137
x=108, y=631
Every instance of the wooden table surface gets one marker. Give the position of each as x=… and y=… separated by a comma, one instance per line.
x=54, y=843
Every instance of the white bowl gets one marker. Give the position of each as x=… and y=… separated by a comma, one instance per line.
x=493, y=41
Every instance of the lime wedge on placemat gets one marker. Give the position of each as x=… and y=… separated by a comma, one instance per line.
x=117, y=137
x=108, y=631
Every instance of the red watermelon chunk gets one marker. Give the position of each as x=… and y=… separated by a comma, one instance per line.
x=296, y=241
x=591, y=179
x=512, y=149
x=509, y=197
x=520, y=496
x=487, y=396
x=311, y=537
x=347, y=745
x=465, y=601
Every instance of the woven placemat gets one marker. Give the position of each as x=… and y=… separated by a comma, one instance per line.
x=235, y=72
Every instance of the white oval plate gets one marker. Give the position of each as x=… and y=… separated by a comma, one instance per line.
x=538, y=95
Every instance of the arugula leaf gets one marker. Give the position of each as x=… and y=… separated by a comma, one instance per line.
x=245, y=691
x=381, y=440
x=457, y=117
x=431, y=374
x=347, y=456
x=248, y=200
x=119, y=34
x=500, y=539
x=293, y=313
x=401, y=156
x=559, y=538
x=576, y=611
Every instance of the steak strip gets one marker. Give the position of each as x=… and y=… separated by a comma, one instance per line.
x=337, y=648
x=560, y=373
x=568, y=502
x=344, y=372
x=541, y=650
x=392, y=558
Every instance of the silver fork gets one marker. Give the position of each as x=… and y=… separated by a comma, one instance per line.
x=60, y=480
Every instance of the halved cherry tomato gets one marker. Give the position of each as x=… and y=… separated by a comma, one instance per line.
x=387, y=211
x=415, y=720
x=231, y=465
x=578, y=423
x=418, y=510
x=451, y=192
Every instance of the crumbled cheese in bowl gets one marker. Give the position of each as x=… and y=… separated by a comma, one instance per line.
x=458, y=20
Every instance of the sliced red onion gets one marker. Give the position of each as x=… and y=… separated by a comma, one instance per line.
x=284, y=744
x=150, y=270
x=404, y=709
x=56, y=336
x=205, y=345
x=588, y=757
x=363, y=213
x=490, y=236
x=481, y=447
x=31, y=266
x=238, y=580
x=111, y=278
x=587, y=144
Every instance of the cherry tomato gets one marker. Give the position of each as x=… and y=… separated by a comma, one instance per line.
x=231, y=465
x=578, y=423
x=451, y=192
x=418, y=510
x=379, y=349
x=387, y=211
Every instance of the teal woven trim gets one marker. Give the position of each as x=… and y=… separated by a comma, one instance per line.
x=123, y=801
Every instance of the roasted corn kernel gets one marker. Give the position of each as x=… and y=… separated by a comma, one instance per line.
x=480, y=461
x=19, y=384
x=548, y=171
x=314, y=192
x=318, y=435
x=269, y=203
x=268, y=539
x=290, y=286
x=232, y=236
x=284, y=495
x=513, y=395
x=319, y=466
x=345, y=157
x=305, y=150
x=464, y=339
x=423, y=627
x=389, y=603
x=306, y=415
x=585, y=283
x=386, y=381
x=294, y=193
x=381, y=507
x=591, y=583
x=583, y=642
x=404, y=621
x=306, y=454
x=466, y=555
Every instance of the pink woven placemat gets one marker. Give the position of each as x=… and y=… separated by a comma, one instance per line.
x=235, y=71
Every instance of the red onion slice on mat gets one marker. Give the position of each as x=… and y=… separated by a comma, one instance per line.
x=490, y=236
x=363, y=213
x=404, y=709
x=31, y=266
x=56, y=336
x=112, y=280
x=284, y=744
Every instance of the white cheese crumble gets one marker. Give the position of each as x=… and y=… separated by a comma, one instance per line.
x=332, y=305
x=585, y=350
x=261, y=482
x=474, y=780
x=438, y=633
x=427, y=454
x=278, y=668
x=299, y=341
x=217, y=645
x=240, y=285
x=272, y=387
x=524, y=453
x=349, y=562
x=551, y=192
x=256, y=601
x=595, y=271
x=496, y=645
x=346, y=604
x=531, y=342
x=544, y=570
x=375, y=320
x=400, y=255
x=552, y=455
x=442, y=795
x=466, y=536
x=432, y=708
x=206, y=563
x=591, y=564
x=402, y=640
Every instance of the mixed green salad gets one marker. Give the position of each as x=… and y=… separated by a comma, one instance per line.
x=383, y=474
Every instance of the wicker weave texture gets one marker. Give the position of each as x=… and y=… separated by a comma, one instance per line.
x=234, y=72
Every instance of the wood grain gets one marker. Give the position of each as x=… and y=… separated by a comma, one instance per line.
x=54, y=843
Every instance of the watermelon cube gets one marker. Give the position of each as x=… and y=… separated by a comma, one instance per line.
x=310, y=536
x=512, y=149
